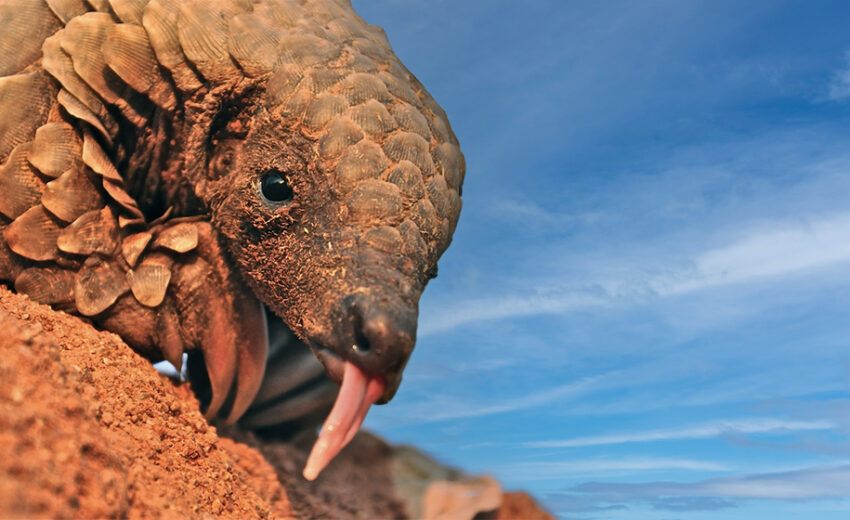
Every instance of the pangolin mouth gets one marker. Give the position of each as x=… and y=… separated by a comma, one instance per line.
x=357, y=393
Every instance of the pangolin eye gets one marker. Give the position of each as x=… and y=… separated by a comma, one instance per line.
x=275, y=187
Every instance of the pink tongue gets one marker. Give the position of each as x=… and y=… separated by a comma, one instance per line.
x=356, y=395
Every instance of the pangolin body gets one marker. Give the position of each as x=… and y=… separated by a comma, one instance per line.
x=167, y=165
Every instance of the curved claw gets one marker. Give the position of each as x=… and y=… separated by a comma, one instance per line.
x=219, y=357
x=252, y=350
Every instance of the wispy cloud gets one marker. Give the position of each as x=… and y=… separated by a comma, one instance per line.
x=703, y=431
x=812, y=483
x=448, y=407
x=583, y=468
x=839, y=87
x=774, y=250
x=777, y=250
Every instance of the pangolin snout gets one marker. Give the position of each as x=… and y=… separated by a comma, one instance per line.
x=375, y=333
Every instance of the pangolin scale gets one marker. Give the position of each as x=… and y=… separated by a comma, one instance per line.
x=215, y=176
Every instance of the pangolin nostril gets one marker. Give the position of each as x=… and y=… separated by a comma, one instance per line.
x=361, y=345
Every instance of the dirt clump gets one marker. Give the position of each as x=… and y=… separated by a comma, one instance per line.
x=89, y=429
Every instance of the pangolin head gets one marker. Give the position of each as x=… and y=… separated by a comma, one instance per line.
x=337, y=189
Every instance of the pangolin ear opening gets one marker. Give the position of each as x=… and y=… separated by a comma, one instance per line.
x=228, y=131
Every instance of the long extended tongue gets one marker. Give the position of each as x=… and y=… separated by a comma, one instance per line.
x=356, y=395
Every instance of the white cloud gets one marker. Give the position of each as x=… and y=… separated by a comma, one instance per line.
x=449, y=407
x=815, y=482
x=839, y=87
x=583, y=468
x=775, y=250
x=703, y=431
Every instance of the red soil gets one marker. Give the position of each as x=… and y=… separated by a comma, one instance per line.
x=88, y=429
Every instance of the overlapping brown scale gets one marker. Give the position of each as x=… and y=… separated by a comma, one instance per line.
x=202, y=31
x=57, y=62
x=400, y=89
x=411, y=119
x=374, y=199
x=297, y=104
x=252, y=44
x=20, y=187
x=340, y=133
x=438, y=194
x=360, y=87
x=325, y=11
x=95, y=231
x=385, y=238
x=322, y=109
x=282, y=83
x=323, y=79
x=425, y=217
x=75, y=96
x=368, y=47
x=373, y=117
x=412, y=243
x=55, y=149
x=442, y=237
x=48, y=285
x=119, y=194
x=128, y=53
x=129, y=11
x=33, y=235
x=409, y=180
x=71, y=195
x=377, y=34
x=306, y=50
x=343, y=29
x=356, y=62
x=67, y=9
x=449, y=163
x=364, y=160
x=25, y=100
x=76, y=108
x=181, y=237
x=132, y=246
x=98, y=284
x=410, y=147
x=82, y=39
x=160, y=22
x=441, y=131
x=96, y=159
x=280, y=13
x=25, y=26
x=149, y=280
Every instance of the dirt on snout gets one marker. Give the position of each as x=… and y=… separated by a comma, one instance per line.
x=89, y=429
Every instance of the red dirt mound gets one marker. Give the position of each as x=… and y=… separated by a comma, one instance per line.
x=89, y=429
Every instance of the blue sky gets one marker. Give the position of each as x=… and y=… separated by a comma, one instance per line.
x=644, y=314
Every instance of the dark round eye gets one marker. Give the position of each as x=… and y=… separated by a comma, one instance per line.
x=275, y=188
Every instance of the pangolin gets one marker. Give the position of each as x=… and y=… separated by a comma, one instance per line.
x=172, y=168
